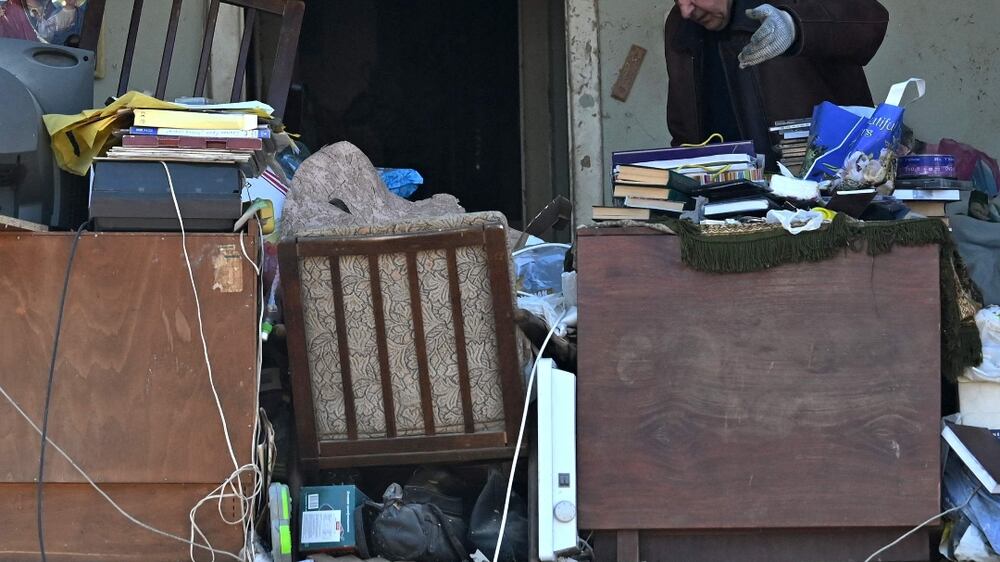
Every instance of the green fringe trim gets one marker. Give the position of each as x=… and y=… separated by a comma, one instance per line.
x=961, y=345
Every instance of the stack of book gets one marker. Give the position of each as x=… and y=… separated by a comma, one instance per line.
x=643, y=202
x=928, y=196
x=792, y=139
x=650, y=183
x=196, y=136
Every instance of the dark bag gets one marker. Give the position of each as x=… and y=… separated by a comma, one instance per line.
x=414, y=531
x=484, y=523
x=439, y=487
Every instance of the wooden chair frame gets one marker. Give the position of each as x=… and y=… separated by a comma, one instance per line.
x=468, y=446
x=291, y=12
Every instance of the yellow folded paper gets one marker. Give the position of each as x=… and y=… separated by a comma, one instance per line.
x=78, y=139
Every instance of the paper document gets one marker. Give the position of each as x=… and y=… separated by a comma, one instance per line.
x=321, y=526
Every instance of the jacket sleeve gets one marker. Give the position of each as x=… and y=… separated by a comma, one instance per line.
x=846, y=30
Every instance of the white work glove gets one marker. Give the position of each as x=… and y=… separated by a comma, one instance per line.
x=775, y=35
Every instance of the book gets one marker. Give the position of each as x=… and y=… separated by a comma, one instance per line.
x=641, y=174
x=681, y=152
x=161, y=141
x=733, y=161
x=789, y=135
x=927, y=194
x=791, y=124
x=178, y=155
x=674, y=207
x=754, y=175
x=259, y=132
x=620, y=213
x=737, y=207
x=194, y=119
x=928, y=208
x=934, y=183
x=851, y=202
x=979, y=449
x=643, y=191
x=648, y=177
x=722, y=191
x=660, y=176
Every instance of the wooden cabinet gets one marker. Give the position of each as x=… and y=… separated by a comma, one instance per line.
x=789, y=414
x=131, y=400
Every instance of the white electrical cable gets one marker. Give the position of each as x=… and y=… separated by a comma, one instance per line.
x=201, y=326
x=520, y=437
x=235, y=481
x=922, y=525
x=261, y=479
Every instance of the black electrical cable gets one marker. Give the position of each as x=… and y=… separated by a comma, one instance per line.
x=48, y=391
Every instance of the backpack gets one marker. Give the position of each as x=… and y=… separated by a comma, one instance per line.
x=419, y=532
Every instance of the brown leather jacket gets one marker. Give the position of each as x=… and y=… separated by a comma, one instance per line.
x=835, y=40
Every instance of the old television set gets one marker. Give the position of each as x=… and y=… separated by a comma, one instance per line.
x=38, y=79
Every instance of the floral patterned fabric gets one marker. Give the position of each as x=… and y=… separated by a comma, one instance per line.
x=435, y=300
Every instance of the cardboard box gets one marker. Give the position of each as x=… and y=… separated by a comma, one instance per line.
x=327, y=516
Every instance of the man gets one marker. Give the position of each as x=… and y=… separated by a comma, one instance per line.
x=737, y=66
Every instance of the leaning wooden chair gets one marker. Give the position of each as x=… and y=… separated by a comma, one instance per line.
x=291, y=12
x=402, y=343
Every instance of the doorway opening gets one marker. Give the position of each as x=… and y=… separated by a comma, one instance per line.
x=433, y=85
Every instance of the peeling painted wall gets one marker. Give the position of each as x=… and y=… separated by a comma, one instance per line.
x=587, y=176
x=640, y=122
x=953, y=45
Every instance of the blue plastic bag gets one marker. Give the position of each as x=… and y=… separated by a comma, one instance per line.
x=849, y=147
x=834, y=130
x=401, y=181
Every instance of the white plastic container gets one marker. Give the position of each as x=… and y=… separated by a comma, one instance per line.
x=979, y=403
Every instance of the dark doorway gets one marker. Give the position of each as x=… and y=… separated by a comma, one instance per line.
x=430, y=85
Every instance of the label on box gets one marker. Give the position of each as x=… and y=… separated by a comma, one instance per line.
x=312, y=502
x=321, y=526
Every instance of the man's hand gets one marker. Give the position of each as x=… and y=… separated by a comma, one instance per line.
x=775, y=35
x=713, y=15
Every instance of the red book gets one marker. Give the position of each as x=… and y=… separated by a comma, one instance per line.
x=150, y=141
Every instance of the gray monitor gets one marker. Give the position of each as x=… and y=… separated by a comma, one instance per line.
x=37, y=79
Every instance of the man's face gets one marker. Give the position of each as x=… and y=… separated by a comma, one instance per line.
x=713, y=15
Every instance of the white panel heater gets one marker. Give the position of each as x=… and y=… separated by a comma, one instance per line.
x=557, y=532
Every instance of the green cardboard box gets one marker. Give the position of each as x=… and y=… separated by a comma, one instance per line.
x=327, y=516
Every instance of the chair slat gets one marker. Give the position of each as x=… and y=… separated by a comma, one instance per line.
x=420, y=344
x=343, y=350
x=284, y=56
x=133, y=32
x=206, y=48
x=249, y=20
x=381, y=343
x=168, y=48
x=461, y=353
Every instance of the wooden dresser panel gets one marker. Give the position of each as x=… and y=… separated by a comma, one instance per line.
x=805, y=396
x=131, y=400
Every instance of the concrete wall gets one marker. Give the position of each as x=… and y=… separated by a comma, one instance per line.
x=954, y=46
x=149, y=47
x=951, y=44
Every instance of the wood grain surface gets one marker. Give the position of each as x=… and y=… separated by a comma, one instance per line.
x=802, y=396
x=81, y=526
x=131, y=399
x=796, y=545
